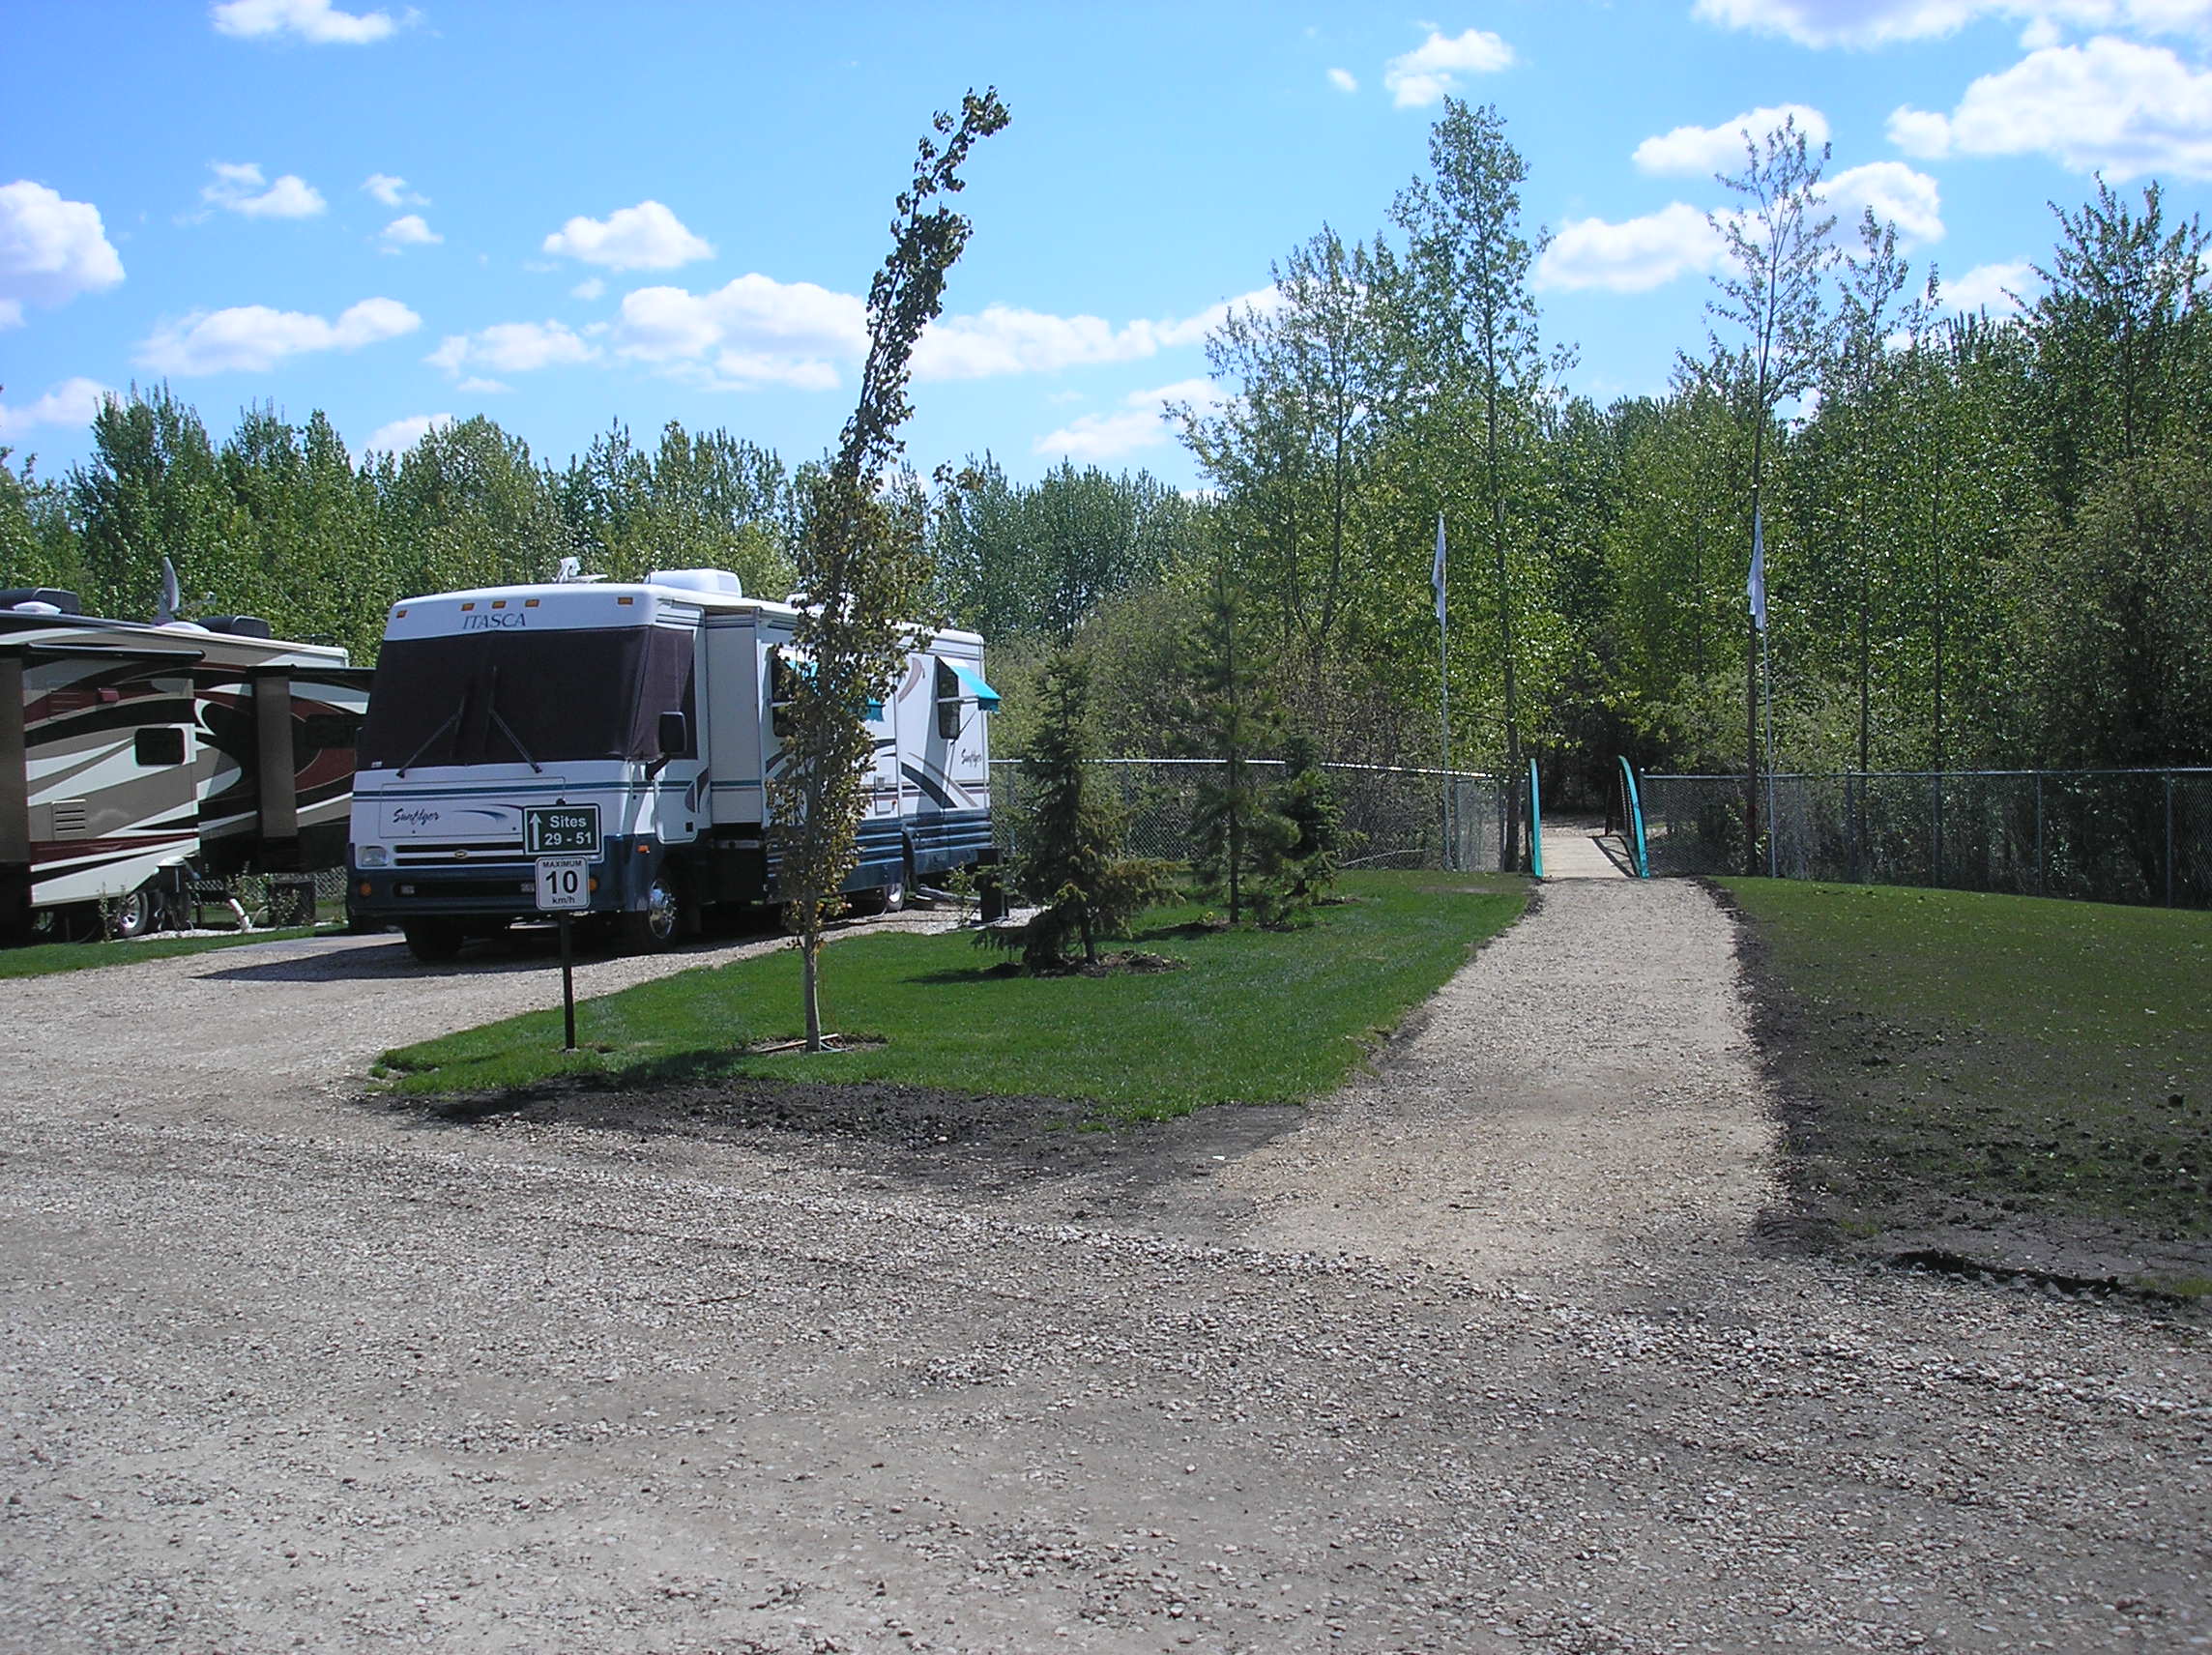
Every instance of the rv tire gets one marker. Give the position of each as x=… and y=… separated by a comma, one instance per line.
x=659, y=922
x=136, y=915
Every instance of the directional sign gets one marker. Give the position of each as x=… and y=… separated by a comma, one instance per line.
x=564, y=881
x=552, y=829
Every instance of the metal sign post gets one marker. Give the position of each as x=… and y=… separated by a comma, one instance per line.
x=564, y=886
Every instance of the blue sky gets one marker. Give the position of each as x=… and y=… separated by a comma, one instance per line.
x=561, y=215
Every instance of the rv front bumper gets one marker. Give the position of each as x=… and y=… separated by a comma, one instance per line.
x=496, y=892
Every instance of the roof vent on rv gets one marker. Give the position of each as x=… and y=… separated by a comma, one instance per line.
x=41, y=600
x=238, y=625
x=720, y=583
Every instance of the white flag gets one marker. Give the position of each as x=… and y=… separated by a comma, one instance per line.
x=1755, y=586
x=1437, y=569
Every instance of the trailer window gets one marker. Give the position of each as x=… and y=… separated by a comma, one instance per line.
x=948, y=702
x=320, y=730
x=524, y=697
x=160, y=744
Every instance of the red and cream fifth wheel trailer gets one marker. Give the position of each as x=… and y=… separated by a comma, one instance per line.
x=137, y=757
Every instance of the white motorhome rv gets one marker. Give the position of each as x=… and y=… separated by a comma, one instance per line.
x=137, y=756
x=635, y=724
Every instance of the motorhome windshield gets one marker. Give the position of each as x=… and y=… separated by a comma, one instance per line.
x=534, y=698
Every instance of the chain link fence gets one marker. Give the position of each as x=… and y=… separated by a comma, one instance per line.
x=1392, y=817
x=2132, y=836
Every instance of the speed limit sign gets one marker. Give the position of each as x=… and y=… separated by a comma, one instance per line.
x=564, y=881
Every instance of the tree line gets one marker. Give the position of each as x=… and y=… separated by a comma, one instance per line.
x=1988, y=539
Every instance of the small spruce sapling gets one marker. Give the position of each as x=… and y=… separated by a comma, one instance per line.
x=1305, y=867
x=1073, y=869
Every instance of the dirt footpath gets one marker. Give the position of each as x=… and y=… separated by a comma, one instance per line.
x=1483, y=1353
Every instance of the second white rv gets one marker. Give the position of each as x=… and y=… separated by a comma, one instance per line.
x=635, y=724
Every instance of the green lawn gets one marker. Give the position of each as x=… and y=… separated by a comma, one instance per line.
x=39, y=959
x=1969, y=1058
x=1255, y=1016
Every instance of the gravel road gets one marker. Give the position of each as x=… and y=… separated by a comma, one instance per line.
x=1485, y=1353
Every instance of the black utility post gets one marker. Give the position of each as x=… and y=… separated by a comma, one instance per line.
x=564, y=886
x=567, y=989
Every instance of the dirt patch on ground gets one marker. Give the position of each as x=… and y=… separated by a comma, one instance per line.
x=1848, y=1197
x=1088, y=1166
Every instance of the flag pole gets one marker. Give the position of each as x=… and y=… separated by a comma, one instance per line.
x=1766, y=696
x=1755, y=589
x=1443, y=683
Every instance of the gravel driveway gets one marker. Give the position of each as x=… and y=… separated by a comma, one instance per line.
x=1482, y=1354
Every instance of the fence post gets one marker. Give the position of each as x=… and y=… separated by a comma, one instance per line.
x=2170, y=838
x=2042, y=875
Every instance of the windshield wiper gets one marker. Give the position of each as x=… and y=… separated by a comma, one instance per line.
x=452, y=718
x=491, y=696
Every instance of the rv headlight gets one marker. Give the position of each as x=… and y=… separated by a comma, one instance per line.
x=376, y=855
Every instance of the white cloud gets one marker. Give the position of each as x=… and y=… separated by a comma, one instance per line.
x=1423, y=75
x=591, y=287
x=1910, y=200
x=2110, y=105
x=240, y=188
x=252, y=339
x=757, y=330
x=401, y=435
x=72, y=402
x=393, y=191
x=1878, y=22
x=51, y=250
x=1632, y=256
x=1343, y=81
x=1002, y=339
x=1993, y=287
x=1920, y=134
x=475, y=384
x=1141, y=423
x=644, y=236
x=408, y=232
x=1702, y=151
x=753, y=331
x=315, y=22
x=513, y=347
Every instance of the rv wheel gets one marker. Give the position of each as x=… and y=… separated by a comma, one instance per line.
x=434, y=941
x=654, y=926
x=137, y=914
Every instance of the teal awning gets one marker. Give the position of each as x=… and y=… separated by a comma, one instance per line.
x=972, y=685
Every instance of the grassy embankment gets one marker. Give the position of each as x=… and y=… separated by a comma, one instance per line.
x=41, y=959
x=1255, y=1016
x=1963, y=1062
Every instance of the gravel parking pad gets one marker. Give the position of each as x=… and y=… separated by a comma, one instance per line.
x=1485, y=1353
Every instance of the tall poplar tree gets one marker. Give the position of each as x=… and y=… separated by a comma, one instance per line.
x=862, y=565
x=1779, y=257
x=1475, y=332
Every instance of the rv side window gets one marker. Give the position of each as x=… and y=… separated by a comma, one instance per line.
x=780, y=673
x=948, y=702
x=321, y=730
x=160, y=744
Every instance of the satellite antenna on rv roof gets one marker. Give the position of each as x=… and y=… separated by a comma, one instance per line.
x=166, y=614
x=571, y=571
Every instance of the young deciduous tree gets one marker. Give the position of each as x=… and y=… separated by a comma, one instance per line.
x=1778, y=247
x=1228, y=718
x=1475, y=332
x=862, y=566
